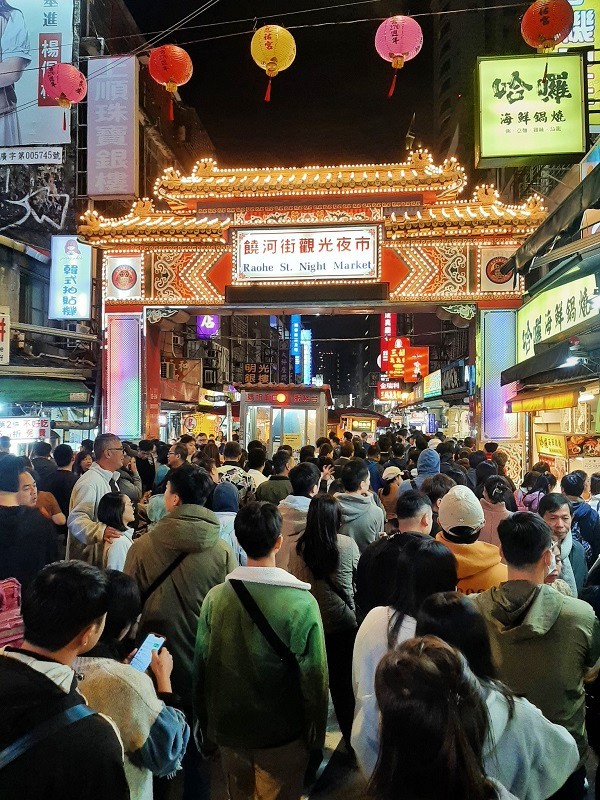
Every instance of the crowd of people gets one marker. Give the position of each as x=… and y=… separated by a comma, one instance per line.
x=450, y=615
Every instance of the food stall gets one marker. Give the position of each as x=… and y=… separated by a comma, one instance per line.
x=565, y=454
x=357, y=421
x=283, y=414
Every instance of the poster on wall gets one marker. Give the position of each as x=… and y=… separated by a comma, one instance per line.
x=34, y=34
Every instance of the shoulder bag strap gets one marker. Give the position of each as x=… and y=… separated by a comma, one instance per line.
x=44, y=730
x=162, y=577
x=413, y=483
x=261, y=622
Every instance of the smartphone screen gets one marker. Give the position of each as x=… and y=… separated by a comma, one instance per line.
x=143, y=657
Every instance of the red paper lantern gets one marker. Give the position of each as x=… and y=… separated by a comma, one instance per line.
x=546, y=23
x=170, y=66
x=65, y=84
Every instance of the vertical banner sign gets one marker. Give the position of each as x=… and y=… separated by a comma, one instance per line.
x=306, y=338
x=34, y=35
x=295, y=330
x=4, y=335
x=586, y=35
x=112, y=136
x=284, y=363
x=389, y=325
x=207, y=326
x=70, y=279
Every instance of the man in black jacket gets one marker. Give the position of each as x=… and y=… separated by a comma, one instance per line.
x=64, y=611
x=27, y=539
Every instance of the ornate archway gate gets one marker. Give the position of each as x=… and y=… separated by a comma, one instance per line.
x=366, y=237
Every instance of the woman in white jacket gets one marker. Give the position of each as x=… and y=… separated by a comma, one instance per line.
x=529, y=755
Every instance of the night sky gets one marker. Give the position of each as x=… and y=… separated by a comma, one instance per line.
x=329, y=107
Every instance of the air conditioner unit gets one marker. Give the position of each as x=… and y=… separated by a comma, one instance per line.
x=167, y=370
x=178, y=340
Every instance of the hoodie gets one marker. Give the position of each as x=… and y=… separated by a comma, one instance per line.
x=494, y=513
x=543, y=644
x=293, y=513
x=428, y=464
x=363, y=518
x=478, y=565
x=172, y=610
x=83, y=760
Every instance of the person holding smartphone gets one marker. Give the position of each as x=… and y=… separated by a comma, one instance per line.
x=154, y=732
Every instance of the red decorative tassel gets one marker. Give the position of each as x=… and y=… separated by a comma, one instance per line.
x=268, y=92
x=393, y=84
x=64, y=120
x=171, y=114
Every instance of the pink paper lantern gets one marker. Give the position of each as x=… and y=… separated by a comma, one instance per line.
x=398, y=39
x=65, y=84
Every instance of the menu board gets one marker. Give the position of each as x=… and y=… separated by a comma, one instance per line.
x=583, y=446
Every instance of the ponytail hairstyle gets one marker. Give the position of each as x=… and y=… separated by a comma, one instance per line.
x=387, y=485
x=318, y=544
x=495, y=489
x=434, y=723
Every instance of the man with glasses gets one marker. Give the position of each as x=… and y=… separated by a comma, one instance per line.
x=87, y=536
x=543, y=642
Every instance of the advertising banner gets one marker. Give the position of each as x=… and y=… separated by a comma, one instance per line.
x=123, y=275
x=35, y=34
x=295, y=335
x=343, y=252
x=553, y=312
x=432, y=384
x=586, y=34
x=70, y=279
x=530, y=108
x=409, y=364
x=551, y=444
x=24, y=429
x=390, y=391
x=112, y=131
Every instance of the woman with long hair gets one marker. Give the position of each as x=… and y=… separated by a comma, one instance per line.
x=328, y=560
x=529, y=755
x=212, y=451
x=15, y=57
x=494, y=508
x=433, y=726
x=531, y=501
x=116, y=510
x=422, y=567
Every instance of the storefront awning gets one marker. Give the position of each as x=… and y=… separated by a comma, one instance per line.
x=539, y=401
x=562, y=222
x=547, y=360
x=48, y=391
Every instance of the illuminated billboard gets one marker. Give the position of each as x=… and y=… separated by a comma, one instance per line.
x=530, y=109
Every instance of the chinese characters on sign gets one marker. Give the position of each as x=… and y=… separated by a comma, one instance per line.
x=391, y=391
x=586, y=34
x=432, y=384
x=112, y=127
x=530, y=106
x=24, y=429
x=70, y=279
x=37, y=34
x=4, y=334
x=409, y=364
x=295, y=334
x=389, y=323
x=553, y=312
x=551, y=444
x=31, y=155
x=257, y=373
x=293, y=254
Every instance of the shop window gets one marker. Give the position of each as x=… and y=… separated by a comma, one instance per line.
x=33, y=299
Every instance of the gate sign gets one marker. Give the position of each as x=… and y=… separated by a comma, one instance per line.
x=289, y=255
x=529, y=108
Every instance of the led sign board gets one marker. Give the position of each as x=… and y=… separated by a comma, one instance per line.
x=530, y=109
x=344, y=253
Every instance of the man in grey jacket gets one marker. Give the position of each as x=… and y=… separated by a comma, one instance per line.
x=363, y=517
x=86, y=537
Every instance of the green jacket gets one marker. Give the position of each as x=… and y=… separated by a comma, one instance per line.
x=274, y=490
x=173, y=609
x=543, y=643
x=245, y=697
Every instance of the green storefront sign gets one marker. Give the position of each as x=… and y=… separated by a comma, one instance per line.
x=531, y=109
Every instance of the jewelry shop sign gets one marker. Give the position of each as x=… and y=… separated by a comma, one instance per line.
x=336, y=253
